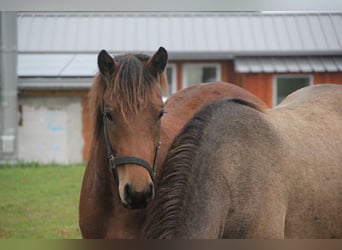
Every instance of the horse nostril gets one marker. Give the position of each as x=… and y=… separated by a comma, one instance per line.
x=135, y=199
x=128, y=194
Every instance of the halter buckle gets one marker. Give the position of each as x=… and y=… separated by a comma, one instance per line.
x=111, y=160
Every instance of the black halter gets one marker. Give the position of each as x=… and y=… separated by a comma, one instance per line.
x=117, y=161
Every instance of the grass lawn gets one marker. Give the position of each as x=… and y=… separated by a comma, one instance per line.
x=39, y=201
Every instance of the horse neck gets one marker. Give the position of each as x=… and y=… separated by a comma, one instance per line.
x=205, y=170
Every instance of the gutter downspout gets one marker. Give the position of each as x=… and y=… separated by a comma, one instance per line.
x=8, y=87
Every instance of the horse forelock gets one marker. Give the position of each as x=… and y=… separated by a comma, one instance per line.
x=129, y=90
x=133, y=85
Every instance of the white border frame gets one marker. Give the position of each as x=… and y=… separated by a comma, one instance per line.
x=275, y=86
x=185, y=77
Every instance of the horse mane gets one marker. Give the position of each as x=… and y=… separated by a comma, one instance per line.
x=131, y=87
x=179, y=171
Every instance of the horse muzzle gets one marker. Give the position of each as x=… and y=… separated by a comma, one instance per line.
x=133, y=199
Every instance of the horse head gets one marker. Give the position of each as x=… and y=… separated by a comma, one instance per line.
x=131, y=111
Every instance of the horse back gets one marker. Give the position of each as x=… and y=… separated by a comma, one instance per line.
x=327, y=96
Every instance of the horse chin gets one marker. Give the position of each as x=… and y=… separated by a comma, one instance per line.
x=137, y=204
x=133, y=207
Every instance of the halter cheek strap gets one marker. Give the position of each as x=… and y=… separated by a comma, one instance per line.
x=117, y=161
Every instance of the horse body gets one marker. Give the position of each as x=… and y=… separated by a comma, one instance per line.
x=313, y=160
x=101, y=210
x=181, y=107
x=236, y=172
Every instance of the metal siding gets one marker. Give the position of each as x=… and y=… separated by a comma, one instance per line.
x=304, y=64
x=247, y=35
x=330, y=65
x=81, y=65
x=68, y=32
x=316, y=64
x=279, y=65
x=241, y=65
x=329, y=32
x=228, y=41
x=287, y=64
x=211, y=34
x=269, y=34
x=165, y=36
x=23, y=27
x=281, y=32
x=187, y=33
x=235, y=34
x=336, y=21
x=305, y=34
x=254, y=65
x=294, y=33
x=222, y=35
x=317, y=32
x=35, y=37
x=177, y=31
x=291, y=64
x=338, y=61
x=258, y=38
x=41, y=65
x=230, y=32
x=197, y=35
x=121, y=29
x=47, y=31
x=266, y=65
x=104, y=35
x=60, y=36
x=200, y=34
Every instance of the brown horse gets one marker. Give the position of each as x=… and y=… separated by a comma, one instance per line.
x=238, y=172
x=129, y=122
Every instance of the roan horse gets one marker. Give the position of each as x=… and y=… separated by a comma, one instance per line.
x=238, y=172
x=130, y=120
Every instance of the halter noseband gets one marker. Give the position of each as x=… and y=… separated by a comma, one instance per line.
x=117, y=161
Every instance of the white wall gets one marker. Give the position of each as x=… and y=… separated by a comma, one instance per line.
x=51, y=130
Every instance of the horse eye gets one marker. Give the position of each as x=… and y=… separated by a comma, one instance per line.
x=161, y=113
x=109, y=116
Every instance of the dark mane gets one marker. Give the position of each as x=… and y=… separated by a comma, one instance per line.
x=179, y=171
x=130, y=88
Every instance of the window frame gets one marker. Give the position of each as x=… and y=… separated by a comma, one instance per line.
x=173, y=84
x=287, y=76
x=218, y=67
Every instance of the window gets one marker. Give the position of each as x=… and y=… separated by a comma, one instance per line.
x=285, y=85
x=199, y=73
x=171, y=75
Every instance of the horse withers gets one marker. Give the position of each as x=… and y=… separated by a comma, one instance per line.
x=129, y=123
x=238, y=172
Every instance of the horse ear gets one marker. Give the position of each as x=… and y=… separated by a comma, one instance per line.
x=158, y=61
x=105, y=63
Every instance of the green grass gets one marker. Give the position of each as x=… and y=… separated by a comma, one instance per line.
x=39, y=201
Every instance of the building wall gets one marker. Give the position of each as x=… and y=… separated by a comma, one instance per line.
x=61, y=120
x=258, y=84
x=320, y=78
x=50, y=129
